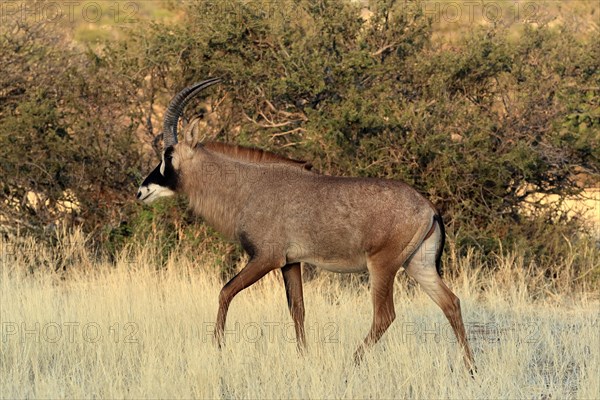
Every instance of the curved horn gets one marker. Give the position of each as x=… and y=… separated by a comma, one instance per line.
x=176, y=107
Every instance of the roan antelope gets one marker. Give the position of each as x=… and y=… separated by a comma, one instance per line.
x=284, y=214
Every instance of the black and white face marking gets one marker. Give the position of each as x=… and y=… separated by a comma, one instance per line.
x=162, y=181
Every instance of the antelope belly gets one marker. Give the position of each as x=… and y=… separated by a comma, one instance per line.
x=338, y=267
x=354, y=264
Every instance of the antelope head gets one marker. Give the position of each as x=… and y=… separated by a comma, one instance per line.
x=163, y=180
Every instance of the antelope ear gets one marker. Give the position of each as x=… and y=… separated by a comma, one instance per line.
x=191, y=132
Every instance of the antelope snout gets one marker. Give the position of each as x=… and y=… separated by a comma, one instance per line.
x=143, y=193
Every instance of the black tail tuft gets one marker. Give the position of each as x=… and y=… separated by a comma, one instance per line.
x=438, y=255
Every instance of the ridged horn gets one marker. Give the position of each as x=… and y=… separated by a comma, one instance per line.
x=176, y=107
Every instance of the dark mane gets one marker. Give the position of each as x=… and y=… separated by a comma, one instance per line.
x=253, y=155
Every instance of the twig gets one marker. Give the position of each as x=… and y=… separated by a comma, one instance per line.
x=383, y=49
x=287, y=132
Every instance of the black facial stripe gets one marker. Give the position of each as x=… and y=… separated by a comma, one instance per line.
x=169, y=153
x=170, y=178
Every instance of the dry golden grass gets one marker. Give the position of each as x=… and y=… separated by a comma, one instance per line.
x=129, y=329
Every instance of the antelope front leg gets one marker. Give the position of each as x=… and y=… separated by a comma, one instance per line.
x=292, y=279
x=252, y=272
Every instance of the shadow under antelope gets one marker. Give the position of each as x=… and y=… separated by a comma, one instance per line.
x=283, y=214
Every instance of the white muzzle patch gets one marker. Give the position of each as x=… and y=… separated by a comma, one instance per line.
x=147, y=194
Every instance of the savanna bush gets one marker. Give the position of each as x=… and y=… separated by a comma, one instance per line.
x=67, y=125
x=478, y=126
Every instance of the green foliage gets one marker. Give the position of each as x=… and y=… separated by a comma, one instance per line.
x=67, y=123
x=478, y=126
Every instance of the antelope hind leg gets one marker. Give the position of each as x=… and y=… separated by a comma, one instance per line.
x=422, y=268
x=382, y=296
x=292, y=279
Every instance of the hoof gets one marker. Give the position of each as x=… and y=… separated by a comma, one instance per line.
x=358, y=356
